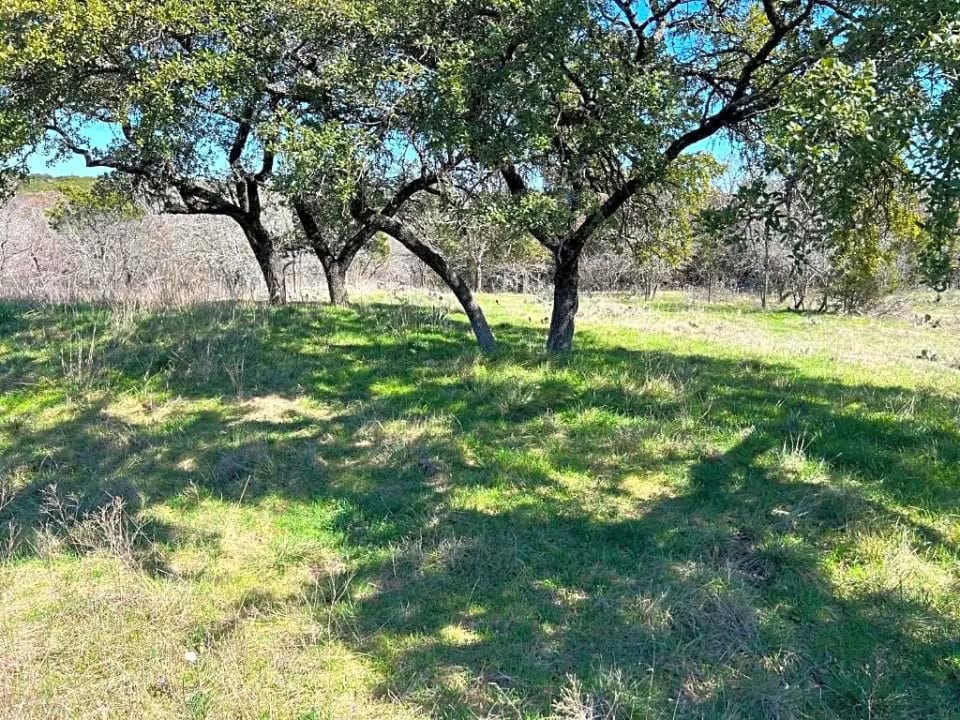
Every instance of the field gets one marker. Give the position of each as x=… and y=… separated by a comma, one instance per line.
x=707, y=511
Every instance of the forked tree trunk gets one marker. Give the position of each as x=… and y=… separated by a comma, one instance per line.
x=407, y=237
x=265, y=252
x=335, y=265
x=566, y=302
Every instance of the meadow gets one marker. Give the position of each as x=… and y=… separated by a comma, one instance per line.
x=706, y=511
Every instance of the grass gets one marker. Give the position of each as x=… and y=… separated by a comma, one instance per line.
x=706, y=511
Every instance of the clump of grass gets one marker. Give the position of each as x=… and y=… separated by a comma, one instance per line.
x=235, y=466
x=8, y=490
x=234, y=369
x=575, y=704
x=80, y=360
x=793, y=457
x=610, y=698
x=106, y=528
x=11, y=533
x=11, y=538
x=330, y=596
x=406, y=319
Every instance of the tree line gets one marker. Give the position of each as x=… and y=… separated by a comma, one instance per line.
x=581, y=128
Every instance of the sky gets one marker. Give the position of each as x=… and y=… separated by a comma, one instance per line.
x=39, y=164
x=42, y=162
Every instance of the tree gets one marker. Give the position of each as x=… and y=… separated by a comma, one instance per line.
x=355, y=156
x=186, y=93
x=584, y=105
x=470, y=223
x=374, y=177
x=850, y=242
x=213, y=105
x=883, y=117
x=658, y=226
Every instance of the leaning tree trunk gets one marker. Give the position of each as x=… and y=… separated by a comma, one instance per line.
x=406, y=236
x=265, y=252
x=566, y=301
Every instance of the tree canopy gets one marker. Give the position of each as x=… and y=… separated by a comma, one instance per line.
x=587, y=111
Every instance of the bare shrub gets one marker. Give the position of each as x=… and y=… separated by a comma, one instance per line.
x=8, y=491
x=108, y=528
x=132, y=264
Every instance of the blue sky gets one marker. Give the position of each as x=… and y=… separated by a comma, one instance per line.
x=39, y=163
x=99, y=135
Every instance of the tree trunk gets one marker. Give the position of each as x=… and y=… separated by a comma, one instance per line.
x=335, y=266
x=566, y=302
x=478, y=276
x=403, y=234
x=264, y=251
x=336, y=275
x=766, y=269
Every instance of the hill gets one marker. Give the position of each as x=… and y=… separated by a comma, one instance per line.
x=55, y=183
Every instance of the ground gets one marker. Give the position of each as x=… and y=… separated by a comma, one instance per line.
x=707, y=511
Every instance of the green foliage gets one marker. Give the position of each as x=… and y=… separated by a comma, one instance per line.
x=380, y=246
x=660, y=225
x=887, y=118
x=482, y=233
x=596, y=106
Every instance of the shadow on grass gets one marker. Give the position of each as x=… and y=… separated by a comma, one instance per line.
x=687, y=535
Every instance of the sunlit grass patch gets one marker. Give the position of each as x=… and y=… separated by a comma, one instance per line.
x=706, y=511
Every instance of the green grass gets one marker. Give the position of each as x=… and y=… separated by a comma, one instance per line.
x=706, y=511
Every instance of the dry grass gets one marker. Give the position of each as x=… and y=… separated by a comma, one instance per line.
x=305, y=513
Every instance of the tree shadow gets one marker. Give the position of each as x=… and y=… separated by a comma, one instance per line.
x=687, y=535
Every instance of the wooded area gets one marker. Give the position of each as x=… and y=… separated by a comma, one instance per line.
x=482, y=135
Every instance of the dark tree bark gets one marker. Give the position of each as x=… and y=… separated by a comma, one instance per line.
x=242, y=203
x=265, y=252
x=334, y=268
x=336, y=265
x=566, y=301
x=336, y=275
x=406, y=236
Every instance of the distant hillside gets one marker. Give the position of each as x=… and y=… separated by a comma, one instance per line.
x=53, y=183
